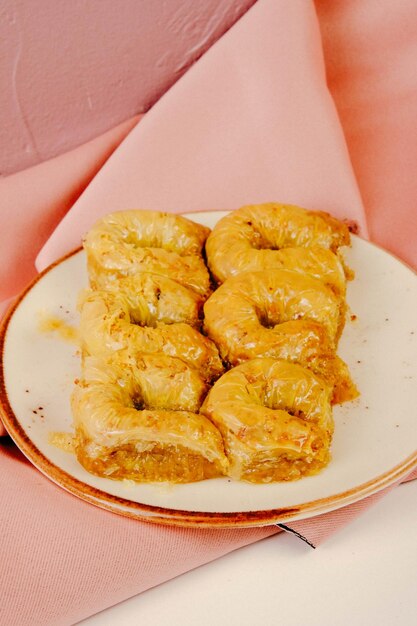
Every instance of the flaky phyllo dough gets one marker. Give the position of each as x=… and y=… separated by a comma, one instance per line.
x=182, y=383
x=139, y=420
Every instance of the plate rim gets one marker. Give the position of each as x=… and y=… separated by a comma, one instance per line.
x=166, y=515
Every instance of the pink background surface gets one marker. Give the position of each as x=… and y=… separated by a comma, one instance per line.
x=72, y=70
x=370, y=49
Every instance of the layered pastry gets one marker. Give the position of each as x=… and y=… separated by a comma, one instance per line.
x=275, y=236
x=281, y=314
x=138, y=420
x=275, y=419
x=127, y=242
x=113, y=321
x=157, y=298
x=155, y=339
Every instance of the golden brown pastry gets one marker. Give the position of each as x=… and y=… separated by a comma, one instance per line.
x=112, y=321
x=126, y=242
x=273, y=236
x=157, y=298
x=284, y=315
x=141, y=409
x=275, y=418
x=275, y=297
x=138, y=421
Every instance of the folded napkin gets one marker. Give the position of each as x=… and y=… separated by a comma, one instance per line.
x=252, y=121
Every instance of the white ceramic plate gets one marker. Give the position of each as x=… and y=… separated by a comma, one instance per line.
x=375, y=438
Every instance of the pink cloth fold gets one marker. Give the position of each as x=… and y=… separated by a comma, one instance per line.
x=371, y=53
x=253, y=120
x=68, y=560
x=39, y=197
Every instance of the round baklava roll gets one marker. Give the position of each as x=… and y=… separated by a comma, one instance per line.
x=278, y=236
x=275, y=418
x=280, y=314
x=138, y=420
x=127, y=242
x=112, y=321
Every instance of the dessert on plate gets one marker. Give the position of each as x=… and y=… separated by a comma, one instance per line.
x=188, y=376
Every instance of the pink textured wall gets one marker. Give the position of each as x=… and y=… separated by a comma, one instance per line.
x=71, y=69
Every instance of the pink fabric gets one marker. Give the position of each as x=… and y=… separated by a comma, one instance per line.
x=67, y=560
x=38, y=198
x=252, y=121
x=370, y=48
